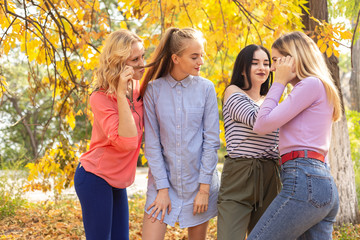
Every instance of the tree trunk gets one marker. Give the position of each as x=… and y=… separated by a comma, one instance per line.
x=355, y=77
x=340, y=153
x=32, y=137
x=343, y=173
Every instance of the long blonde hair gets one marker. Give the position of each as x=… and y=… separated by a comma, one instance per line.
x=116, y=51
x=310, y=62
x=173, y=42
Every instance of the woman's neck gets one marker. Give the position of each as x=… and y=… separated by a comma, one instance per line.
x=254, y=93
x=178, y=75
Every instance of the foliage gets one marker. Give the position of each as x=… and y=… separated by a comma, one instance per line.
x=329, y=37
x=347, y=232
x=11, y=183
x=341, y=8
x=63, y=39
x=63, y=220
x=44, y=220
x=353, y=120
x=57, y=168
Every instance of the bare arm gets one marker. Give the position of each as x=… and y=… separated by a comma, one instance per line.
x=127, y=126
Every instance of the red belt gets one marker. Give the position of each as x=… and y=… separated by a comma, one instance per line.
x=301, y=154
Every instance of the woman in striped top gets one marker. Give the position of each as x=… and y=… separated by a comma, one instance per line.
x=249, y=180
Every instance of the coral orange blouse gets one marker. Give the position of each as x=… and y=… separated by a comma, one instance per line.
x=113, y=157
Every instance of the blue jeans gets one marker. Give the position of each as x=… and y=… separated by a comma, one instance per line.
x=105, y=209
x=306, y=206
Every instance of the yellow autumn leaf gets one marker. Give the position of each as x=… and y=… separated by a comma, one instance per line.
x=79, y=113
x=143, y=160
x=323, y=48
x=70, y=118
x=96, y=5
x=346, y=35
x=40, y=59
x=320, y=42
x=6, y=48
x=329, y=52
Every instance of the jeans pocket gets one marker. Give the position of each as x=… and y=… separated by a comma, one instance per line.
x=320, y=190
x=289, y=176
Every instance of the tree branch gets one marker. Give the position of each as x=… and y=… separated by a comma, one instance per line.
x=33, y=143
x=353, y=37
x=248, y=14
x=187, y=13
x=12, y=22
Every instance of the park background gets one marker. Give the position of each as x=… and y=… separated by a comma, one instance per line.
x=48, y=53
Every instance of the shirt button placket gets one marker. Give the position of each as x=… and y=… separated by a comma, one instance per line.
x=178, y=135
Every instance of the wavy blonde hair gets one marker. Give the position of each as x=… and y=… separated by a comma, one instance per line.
x=116, y=51
x=310, y=62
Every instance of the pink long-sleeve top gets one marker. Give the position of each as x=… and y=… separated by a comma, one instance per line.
x=304, y=117
x=112, y=157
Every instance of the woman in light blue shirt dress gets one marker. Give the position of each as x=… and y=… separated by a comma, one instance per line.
x=181, y=138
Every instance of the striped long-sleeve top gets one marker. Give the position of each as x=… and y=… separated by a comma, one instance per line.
x=240, y=113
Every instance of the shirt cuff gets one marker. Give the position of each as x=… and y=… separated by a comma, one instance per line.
x=205, y=178
x=162, y=183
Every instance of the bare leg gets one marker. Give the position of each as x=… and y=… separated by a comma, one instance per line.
x=198, y=232
x=152, y=230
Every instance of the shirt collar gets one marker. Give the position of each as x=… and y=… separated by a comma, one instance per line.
x=185, y=82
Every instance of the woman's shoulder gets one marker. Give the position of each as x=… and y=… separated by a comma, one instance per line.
x=100, y=97
x=311, y=83
x=233, y=90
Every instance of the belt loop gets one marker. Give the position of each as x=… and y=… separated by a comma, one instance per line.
x=306, y=153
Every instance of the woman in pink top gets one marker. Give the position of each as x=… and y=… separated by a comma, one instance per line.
x=308, y=202
x=109, y=166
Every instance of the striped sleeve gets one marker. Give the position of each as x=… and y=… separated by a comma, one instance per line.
x=240, y=113
x=241, y=109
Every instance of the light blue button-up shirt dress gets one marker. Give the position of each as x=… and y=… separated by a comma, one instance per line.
x=181, y=141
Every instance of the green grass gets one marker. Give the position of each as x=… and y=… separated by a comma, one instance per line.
x=11, y=183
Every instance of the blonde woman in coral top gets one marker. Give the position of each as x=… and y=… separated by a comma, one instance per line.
x=109, y=166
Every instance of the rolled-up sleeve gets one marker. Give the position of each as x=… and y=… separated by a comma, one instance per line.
x=106, y=115
x=153, y=152
x=211, y=141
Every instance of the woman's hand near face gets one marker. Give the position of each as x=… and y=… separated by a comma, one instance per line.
x=124, y=78
x=285, y=70
x=127, y=126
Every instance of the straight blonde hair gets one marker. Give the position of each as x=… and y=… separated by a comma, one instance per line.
x=310, y=62
x=173, y=42
x=116, y=51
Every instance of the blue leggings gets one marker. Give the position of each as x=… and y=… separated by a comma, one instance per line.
x=105, y=209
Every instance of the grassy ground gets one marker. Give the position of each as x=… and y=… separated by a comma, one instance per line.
x=47, y=220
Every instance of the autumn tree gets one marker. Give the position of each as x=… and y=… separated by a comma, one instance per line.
x=64, y=38
x=60, y=40
x=351, y=10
